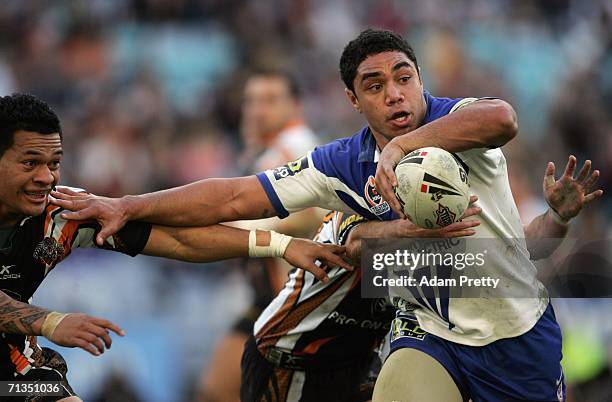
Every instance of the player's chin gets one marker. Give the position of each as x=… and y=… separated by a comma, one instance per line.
x=34, y=208
x=395, y=130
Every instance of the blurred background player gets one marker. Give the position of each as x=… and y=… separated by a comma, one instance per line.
x=274, y=133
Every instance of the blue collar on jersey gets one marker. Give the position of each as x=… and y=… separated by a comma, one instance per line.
x=368, y=142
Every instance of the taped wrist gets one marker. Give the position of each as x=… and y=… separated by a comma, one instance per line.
x=278, y=244
x=51, y=322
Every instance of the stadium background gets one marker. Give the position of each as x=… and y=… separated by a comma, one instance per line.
x=149, y=94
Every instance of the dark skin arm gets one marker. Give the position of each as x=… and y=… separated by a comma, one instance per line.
x=75, y=330
x=403, y=228
x=477, y=125
x=566, y=196
x=219, y=242
x=202, y=203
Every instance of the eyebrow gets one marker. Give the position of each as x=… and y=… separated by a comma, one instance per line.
x=38, y=153
x=396, y=67
x=402, y=64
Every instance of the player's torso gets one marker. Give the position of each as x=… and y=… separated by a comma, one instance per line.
x=20, y=271
x=480, y=315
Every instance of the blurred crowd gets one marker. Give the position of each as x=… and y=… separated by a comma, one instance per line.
x=149, y=94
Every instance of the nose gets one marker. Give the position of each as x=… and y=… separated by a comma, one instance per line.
x=393, y=95
x=44, y=175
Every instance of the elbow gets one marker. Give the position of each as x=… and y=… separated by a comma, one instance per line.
x=505, y=122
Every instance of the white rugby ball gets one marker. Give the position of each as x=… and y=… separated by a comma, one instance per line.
x=433, y=187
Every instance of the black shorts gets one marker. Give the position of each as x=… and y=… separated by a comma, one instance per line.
x=53, y=368
x=263, y=381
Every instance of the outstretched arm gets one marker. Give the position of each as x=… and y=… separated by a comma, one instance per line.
x=71, y=330
x=480, y=124
x=218, y=242
x=202, y=203
x=566, y=197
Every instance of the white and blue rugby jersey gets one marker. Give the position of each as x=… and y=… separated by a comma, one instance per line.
x=340, y=176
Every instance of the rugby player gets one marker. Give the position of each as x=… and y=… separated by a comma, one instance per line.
x=315, y=340
x=34, y=238
x=472, y=348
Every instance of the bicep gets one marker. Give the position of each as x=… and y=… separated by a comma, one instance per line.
x=248, y=200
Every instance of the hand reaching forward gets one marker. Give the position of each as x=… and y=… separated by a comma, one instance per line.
x=302, y=253
x=86, y=332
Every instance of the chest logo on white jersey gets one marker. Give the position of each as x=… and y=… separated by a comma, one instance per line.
x=375, y=201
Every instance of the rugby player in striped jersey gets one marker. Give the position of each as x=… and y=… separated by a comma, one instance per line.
x=34, y=238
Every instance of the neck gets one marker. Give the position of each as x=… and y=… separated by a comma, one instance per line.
x=380, y=139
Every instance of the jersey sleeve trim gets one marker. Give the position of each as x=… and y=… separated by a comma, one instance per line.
x=281, y=212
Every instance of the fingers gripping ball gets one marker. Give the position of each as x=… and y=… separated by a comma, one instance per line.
x=433, y=187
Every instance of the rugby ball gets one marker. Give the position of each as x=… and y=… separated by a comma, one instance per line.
x=433, y=187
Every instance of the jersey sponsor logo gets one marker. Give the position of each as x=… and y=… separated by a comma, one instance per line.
x=444, y=216
x=342, y=319
x=5, y=272
x=377, y=204
x=405, y=327
x=291, y=168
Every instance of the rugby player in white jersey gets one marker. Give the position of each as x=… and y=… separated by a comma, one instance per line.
x=383, y=82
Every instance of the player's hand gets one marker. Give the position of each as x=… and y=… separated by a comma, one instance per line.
x=405, y=228
x=568, y=195
x=302, y=253
x=110, y=213
x=83, y=331
x=385, y=178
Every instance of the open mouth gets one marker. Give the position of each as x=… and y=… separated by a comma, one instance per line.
x=400, y=119
x=38, y=196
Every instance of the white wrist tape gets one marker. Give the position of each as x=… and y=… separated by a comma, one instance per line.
x=276, y=248
x=557, y=218
x=51, y=322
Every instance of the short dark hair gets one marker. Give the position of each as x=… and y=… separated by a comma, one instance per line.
x=369, y=42
x=28, y=113
x=263, y=71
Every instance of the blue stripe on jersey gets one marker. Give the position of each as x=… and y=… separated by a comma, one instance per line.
x=281, y=212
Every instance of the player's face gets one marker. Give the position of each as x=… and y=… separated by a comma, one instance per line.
x=389, y=92
x=30, y=168
x=268, y=105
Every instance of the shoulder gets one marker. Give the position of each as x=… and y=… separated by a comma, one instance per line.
x=438, y=107
x=339, y=155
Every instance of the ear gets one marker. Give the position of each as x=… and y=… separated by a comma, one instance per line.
x=353, y=99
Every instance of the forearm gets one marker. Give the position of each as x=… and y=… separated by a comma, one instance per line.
x=202, y=203
x=370, y=229
x=201, y=244
x=20, y=318
x=481, y=124
x=543, y=235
